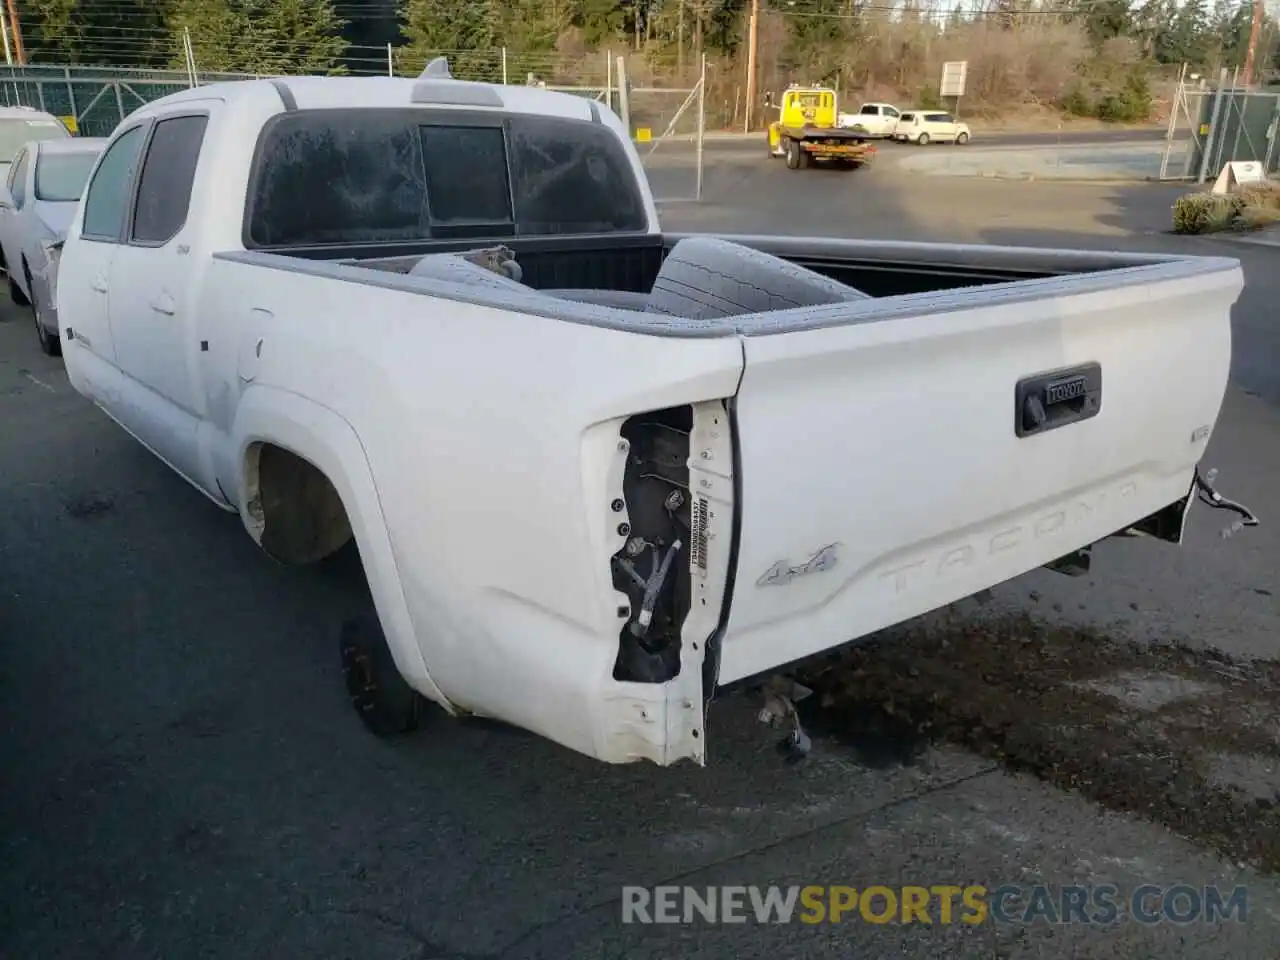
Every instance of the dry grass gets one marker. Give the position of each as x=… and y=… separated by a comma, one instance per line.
x=1251, y=207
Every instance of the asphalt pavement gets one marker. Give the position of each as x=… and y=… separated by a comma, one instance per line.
x=182, y=776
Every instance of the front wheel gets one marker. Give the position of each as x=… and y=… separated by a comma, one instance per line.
x=962, y=139
x=16, y=294
x=922, y=139
x=382, y=698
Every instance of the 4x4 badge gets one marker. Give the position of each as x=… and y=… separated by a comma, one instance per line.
x=782, y=573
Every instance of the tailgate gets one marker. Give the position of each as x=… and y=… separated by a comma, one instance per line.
x=883, y=473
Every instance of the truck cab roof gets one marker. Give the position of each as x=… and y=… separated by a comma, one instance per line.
x=321, y=93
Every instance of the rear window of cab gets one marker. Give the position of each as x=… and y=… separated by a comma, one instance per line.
x=341, y=177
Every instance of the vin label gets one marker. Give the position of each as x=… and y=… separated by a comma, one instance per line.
x=698, y=534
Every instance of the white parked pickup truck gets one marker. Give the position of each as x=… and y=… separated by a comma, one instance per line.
x=595, y=472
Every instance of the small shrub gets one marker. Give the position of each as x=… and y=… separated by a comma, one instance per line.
x=1255, y=218
x=1263, y=195
x=928, y=99
x=1205, y=212
x=1076, y=102
x=1130, y=104
x=1223, y=214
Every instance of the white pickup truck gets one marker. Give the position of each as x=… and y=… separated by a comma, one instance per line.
x=596, y=472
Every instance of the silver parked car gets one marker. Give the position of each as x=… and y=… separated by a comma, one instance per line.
x=21, y=125
x=37, y=206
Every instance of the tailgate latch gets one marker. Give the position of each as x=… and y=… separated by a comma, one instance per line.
x=1056, y=398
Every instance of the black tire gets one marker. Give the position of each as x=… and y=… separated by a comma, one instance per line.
x=793, y=154
x=805, y=157
x=385, y=703
x=16, y=294
x=962, y=139
x=50, y=343
x=923, y=139
x=705, y=278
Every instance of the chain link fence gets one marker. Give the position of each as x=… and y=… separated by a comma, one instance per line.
x=666, y=115
x=92, y=100
x=1214, y=124
x=669, y=127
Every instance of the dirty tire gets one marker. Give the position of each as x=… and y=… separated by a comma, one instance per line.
x=962, y=139
x=704, y=278
x=16, y=294
x=793, y=155
x=385, y=703
x=923, y=139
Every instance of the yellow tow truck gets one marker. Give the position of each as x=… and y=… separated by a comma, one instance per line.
x=806, y=130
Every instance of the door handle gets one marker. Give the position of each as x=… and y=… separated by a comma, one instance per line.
x=99, y=284
x=164, y=304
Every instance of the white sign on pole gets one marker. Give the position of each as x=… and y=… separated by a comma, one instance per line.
x=953, y=77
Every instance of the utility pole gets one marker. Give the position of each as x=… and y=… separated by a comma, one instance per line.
x=16, y=29
x=752, y=42
x=1258, y=14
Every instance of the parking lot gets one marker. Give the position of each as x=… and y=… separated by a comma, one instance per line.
x=183, y=776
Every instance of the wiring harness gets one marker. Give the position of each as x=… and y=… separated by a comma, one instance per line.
x=1211, y=498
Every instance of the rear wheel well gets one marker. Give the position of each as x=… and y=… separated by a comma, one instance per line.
x=294, y=512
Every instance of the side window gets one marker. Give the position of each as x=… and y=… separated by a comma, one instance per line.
x=890, y=112
x=107, y=197
x=18, y=180
x=337, y=177
x=870, y=110
x=164, y=189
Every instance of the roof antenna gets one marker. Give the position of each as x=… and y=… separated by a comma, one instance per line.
x=437, y=68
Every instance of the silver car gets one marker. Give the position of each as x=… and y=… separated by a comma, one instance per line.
x=20, y=125
x=37, y=205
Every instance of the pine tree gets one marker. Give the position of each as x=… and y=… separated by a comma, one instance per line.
x=467, y=32
x=258, y=36
x=121, y=33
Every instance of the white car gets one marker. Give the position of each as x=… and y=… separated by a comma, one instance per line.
x=596, y=473
x=37, y=205
x=926, y=126
x=20, y=125
x=874, y=119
